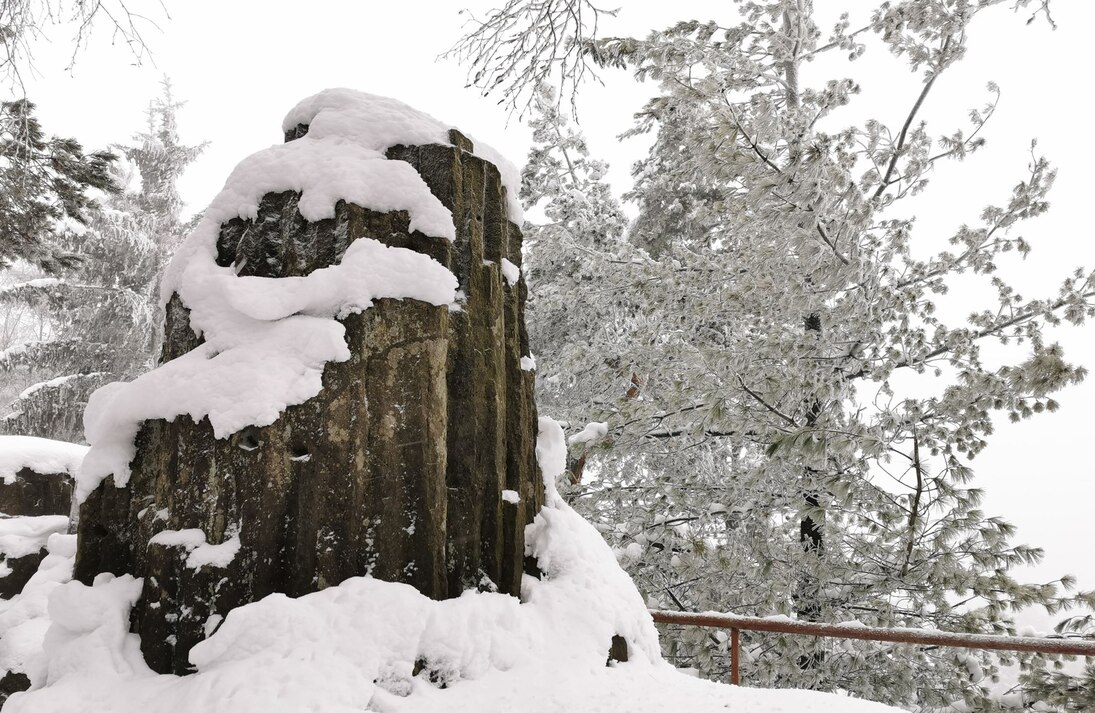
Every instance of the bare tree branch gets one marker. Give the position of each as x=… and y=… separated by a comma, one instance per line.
x=529, y=42
x=23, y=22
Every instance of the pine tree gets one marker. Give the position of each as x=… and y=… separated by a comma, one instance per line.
x=106, y=317
x=765, y=452
x=566, y=266
x=160, y=159
x=1053, y=684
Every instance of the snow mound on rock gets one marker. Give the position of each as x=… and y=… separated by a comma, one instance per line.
x=41, y=455
x=26, y=534
x=381, y=122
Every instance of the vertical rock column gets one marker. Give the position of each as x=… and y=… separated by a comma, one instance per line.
x=396, y=469
x=491, y=410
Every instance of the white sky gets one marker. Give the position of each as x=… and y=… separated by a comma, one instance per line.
x=241, y=65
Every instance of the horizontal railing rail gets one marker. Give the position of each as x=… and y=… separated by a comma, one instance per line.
x=922, y=637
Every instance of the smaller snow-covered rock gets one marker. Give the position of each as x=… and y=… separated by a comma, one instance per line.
x=24, y=618
x=36, y=477
x=23, y=541
x=40, y=455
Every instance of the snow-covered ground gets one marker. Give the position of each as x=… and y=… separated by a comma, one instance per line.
x=367, y=645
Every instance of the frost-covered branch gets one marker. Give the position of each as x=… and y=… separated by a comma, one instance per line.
x=25, y=22
x=899, y=146
x=527, y=43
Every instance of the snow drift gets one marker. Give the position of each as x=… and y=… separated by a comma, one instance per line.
x=377, y=646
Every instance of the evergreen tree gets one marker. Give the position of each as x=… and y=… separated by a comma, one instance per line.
x=105, y=310
x=565, y=266
x=160, y=159
x=765, y=454
x=46, y=187
x=1054, y=685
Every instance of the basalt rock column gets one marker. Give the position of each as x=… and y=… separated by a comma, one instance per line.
x=396, y=469
x=491, y=408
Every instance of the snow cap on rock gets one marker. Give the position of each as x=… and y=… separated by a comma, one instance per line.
x=41, y=455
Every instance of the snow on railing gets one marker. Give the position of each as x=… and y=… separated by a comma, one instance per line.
x=923, y=637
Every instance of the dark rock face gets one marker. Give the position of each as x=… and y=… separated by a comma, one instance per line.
x=36, y=494
x=12, y=682
x=31, y=494
x=22, y=569
x=396, y=469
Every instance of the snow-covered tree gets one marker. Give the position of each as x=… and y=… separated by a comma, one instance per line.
x=105, y=310
x=1053, y=683
x=791, y=409
x=160, y=159
x=46, y=186
x=566, y=265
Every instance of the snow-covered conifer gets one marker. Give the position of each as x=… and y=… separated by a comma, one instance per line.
x=104, y=309
x=792, y=407
x=46, y=186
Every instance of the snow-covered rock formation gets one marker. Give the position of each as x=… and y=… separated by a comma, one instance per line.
x=342, y=391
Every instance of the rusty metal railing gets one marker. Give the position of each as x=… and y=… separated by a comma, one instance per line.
x=923, y=637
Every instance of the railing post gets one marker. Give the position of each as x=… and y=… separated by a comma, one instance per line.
x=735, y=644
